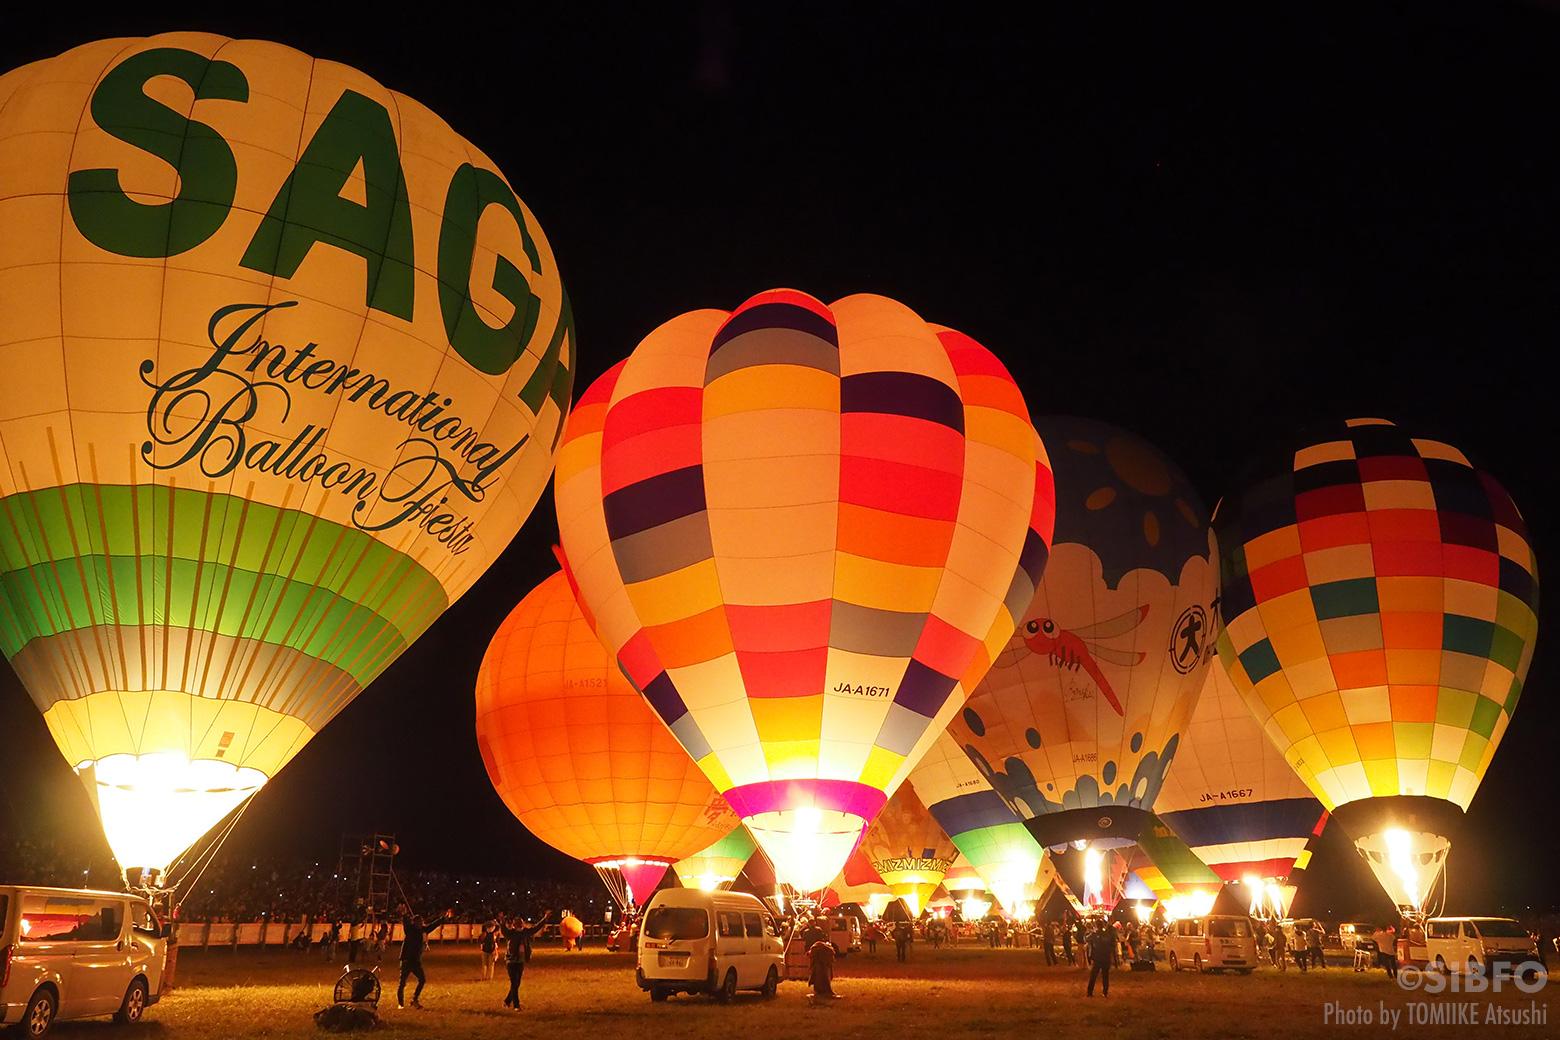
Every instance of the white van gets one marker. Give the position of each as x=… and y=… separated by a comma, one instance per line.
x=68, y=953
x=1476, y=944
x=693, y=941
x=1213, y=943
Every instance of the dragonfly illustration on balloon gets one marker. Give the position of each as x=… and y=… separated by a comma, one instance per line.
x=1079, y=647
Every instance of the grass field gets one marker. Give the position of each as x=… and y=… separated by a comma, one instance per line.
x=938, y=995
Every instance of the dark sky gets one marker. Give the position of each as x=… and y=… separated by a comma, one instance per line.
x=1212, y=224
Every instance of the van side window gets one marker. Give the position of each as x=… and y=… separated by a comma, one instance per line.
x=730, y=925
x=754, y=926
x=771, y=926
x=52, y=919
x=1443, y=929
x=142, y=921
x=107, y=919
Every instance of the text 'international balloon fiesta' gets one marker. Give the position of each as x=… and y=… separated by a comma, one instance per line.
x=286, y=362
x=1077, y=722
x=1382, y=601
x=805, y=530
x=578, y=756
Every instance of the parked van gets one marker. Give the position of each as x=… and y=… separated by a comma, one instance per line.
x=1351, y=932
x=67, y=953
x=845, y=933
x=1476, y=944
x=694, y=941
x=1213, y=943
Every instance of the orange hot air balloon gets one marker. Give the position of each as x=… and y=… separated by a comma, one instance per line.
x=805, y=530
x=578, y=756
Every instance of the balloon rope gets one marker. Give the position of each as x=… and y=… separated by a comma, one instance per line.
x=205, y=858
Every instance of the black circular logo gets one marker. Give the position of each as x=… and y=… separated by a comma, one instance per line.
x=1188, y=639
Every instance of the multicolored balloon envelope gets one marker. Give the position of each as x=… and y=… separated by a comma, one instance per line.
x=1077, y=722
x=285, y=364
x=805, y=530
x=1231, y=796
x=1382, y=598
x=984, y=830
x=908, y=850
x=576, y=754
x=720, y=864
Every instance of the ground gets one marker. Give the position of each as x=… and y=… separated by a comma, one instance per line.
x=938, y=995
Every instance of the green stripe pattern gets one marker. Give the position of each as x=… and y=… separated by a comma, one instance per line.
x=151, y=556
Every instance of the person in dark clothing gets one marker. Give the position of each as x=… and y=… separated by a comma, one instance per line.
x=1102, y=956
x=820, y=960
x=1067, y=943
x=518, y=935
x=1048, y=936
x=412, y=947
x=903, y=933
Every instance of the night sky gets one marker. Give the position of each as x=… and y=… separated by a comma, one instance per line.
x=1211, y=224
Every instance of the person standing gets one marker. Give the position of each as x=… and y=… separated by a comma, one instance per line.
x=1102, y=957
x=518, y=936
x=820, y=969
x=1280, y=948
x=488, y=944
x=1067, y=943
x=871, y=936
x=903, y=934
x=1314, y=942
x=412, y=947
x=1048, y=937
x=355, y=940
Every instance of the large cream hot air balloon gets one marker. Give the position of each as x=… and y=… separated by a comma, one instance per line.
x=1079, y=719
x=1382, y=602
x=285, y=363
x=579, y=758
x=805, y=530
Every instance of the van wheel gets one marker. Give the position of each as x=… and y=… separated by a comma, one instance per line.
x=1473, y=966
x=1197, y=963
x=728, y=988
x=771, y=982
x=1440, y=965
x=1175, y=965
x=134, y=1004
x=658, y=994
x=39, y=1016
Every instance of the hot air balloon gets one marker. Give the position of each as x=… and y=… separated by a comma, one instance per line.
x=286, y=364
x=986, y=832
x=579, y=758
x=908, y=850
x=1077, y=722
x=718, y=865
x=1231, y=796
x=857, y=882
x=804, y=530
x=1382, y=601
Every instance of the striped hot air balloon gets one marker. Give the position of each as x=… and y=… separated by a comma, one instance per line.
x=805, y=531
x=1382, y=601
x=986, y=832
x=1231, y=796
x=285, y=361
x=718, y=865
x=579, y=758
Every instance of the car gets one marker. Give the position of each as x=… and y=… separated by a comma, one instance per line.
x=1215, y=942
x=1351, y=932
x=1474, y=945
x=713, y=942
x=75, y=953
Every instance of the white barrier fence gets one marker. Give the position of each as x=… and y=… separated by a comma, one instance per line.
x=280, y=933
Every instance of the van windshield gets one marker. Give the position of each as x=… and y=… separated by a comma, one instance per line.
x=1501, y=930
x=677, y=922
x=1229, y=927
x=5, y=909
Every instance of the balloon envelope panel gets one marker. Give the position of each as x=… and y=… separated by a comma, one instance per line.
x=574, y=751
x=286, y=362
x=805, y=530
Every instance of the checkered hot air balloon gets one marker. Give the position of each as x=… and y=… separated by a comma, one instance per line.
x=262, y=417
x=805, y=530
x=1382, y=602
